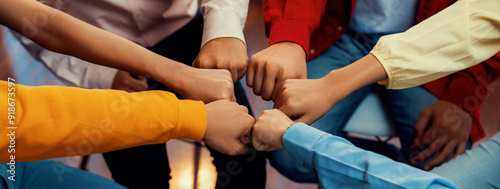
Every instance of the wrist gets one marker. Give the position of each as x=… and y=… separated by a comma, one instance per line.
x=292, y=48
x=283, y=135
x=167, y=72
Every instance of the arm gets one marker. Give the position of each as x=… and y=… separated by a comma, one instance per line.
x=223, y=43
x=336, y=161
x=74, y=71
x=62, y=33
x=5, y=65
x=408, y=59
x=289, y=25
x=49, y=124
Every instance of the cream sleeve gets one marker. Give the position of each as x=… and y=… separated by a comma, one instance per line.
x=460, y=36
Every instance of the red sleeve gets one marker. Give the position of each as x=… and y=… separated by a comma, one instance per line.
x=292, y=20
x=468, y=89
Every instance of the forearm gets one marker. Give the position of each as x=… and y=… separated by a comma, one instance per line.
x=348, y=79
x=49, y=124
x=337, y=162
x=62, y=33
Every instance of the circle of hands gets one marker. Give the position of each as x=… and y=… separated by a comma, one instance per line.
x=279, y=73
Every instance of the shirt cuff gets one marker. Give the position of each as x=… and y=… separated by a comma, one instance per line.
x=299, y=141
x=223, y=23
x=387, y=82
x=187, y=127
x=290, y=31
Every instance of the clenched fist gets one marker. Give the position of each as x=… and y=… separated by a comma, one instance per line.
x=228, y=126
x=269, y=68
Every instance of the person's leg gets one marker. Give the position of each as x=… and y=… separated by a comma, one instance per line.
x=53, y=174
x=345, y=51
x=477, y=168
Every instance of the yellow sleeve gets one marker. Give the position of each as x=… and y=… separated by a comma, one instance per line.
x=460, y=36
x=57, y=121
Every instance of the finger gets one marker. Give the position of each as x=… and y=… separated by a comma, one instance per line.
x=258, y=79
x=460, y=149
x=281, y=99
x=250, y=73
x=268, y=84
x=241, y=72
x=445, y=153
x=138, y=85
x=240, y=148
x=428, y=152
x=257, y=144
x=277, y=89
x=234, y=74
x=422, y=122
x=232, y=97
x=142, y=78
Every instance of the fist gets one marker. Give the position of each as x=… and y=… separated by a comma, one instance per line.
x=269, y=129
x=228, y=127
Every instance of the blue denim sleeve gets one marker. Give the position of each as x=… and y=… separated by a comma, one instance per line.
x=339, y=164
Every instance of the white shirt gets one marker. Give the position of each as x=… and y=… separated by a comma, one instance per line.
x=145, y=22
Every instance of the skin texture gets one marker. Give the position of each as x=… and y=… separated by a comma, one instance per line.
x=5, y=64
x=125, y=81
x=269, y=68
x=59, y=32
x=449, y=132
x=224, y=120
x=269, y=129
x=296, y=98
x=227, y=53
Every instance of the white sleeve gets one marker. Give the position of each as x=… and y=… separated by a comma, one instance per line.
x=223, y=18
x=74, y=71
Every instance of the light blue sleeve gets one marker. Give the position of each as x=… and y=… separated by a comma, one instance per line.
x=339, y=164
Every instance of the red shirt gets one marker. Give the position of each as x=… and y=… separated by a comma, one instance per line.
x=317, y=24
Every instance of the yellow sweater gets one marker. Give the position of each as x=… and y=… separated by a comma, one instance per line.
x=57, y=121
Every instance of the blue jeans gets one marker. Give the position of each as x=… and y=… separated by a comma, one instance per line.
x=52, y=174
x=407, y=104
x=477, y=168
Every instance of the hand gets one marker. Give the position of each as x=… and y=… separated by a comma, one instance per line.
x=125, y=81
x=228, y=126
x=449, y=131
x=227, y=53
x=268, y=131
x=307, y=99
x=206, y=85
x=269, y=68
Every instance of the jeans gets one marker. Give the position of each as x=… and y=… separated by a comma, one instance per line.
x=406, y=104
x=477, y=168
x=183, y=46
x=52, y=174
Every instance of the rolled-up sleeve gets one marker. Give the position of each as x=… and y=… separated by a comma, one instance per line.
x=460, y=36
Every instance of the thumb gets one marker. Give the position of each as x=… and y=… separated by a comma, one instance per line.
x=240, y=148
